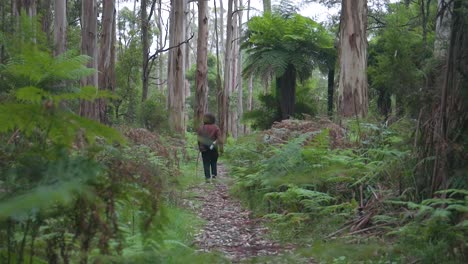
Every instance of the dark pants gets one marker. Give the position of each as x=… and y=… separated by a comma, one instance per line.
x=210, y=158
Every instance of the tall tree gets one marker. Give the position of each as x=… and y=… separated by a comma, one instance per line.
x=353, y=89
x=176, y=78
x=442, y=34
x=107, y=55
x=224, y=118
x=29, y=6
x=451, y=117
x=240, y=90
x=202, y=64
x=233, y=120
x=266, y=6
x=60, y=26
x=145, y=48
x=288, y=48
x=89, y=47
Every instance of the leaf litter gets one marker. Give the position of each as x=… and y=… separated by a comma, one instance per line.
x=231, y=229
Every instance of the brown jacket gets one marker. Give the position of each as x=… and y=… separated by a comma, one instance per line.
x=207, y=134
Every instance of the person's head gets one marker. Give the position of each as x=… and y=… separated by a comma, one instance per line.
x=209, y=119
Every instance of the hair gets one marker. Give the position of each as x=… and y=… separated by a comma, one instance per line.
x=209, y=119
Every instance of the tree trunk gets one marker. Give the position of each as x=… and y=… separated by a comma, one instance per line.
x=352, y=90
x=452, y=116
x=224, y=119
x=331, y=89
x=4, y=29
x=425, y=14
x=234, y=85
x=45, y=12
x=145, y=49
x=240, y=90
x=250, y=99
x=160, y=46
x=202, y=64
x=221, y=33
x=219, y=87
x=89, y=47
x=177, y=69
x=188, y=31
x=60, y=26
x=107, y=56
x=442, y=32
x=266, y=6
x=286, y=90
x=29, y=6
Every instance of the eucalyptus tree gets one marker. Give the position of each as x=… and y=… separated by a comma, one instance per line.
x=224, y=115
x=176, y=72
x=353, y=89
x=201, y=91
x=60, y=26
x=287, y=47
x=106, y=65
x=444, y=132
x=89, y=47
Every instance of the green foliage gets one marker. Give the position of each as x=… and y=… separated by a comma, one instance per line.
x=273, y=42
x=397, y=60
x=38, y=108
x=211, y=78
x=264, y=115
x=153, y=114
x=439, y=231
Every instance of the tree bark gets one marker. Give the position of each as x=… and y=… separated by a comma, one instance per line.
x=240, y=90
x=60, y=26
x=353, y=88
x=249, y=100
x=234, y=85
x=177, y=69
x=221, y=33
x=219, y=87
x=160, y=46
x=45, y=11
x=145, y=49
x=286, y=89
x=224, y=119
x=452, y=116
x=4, y=29
x=266, y=6
x=202, y=64
x=107, y=56
x=89, y=47
x=331, y=89
x=442, y=32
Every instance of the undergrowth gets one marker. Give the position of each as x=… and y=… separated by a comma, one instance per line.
x=361, y=200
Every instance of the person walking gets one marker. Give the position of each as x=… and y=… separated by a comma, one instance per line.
x=209, y=137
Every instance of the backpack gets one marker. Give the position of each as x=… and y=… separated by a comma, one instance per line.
x=205, y=139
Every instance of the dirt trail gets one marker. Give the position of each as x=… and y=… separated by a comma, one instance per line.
x=230, y=229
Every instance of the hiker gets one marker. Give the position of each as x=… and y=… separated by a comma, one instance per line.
x=209, y=137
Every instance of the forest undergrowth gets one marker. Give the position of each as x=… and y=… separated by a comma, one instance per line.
x=348, y=199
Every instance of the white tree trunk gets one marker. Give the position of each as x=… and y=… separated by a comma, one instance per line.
x=60, y=26
x=176, y=86
x=352, y=90
x=233, y=123
x=224, y=120
x=240, y=90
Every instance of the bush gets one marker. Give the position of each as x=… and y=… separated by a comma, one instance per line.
x=153, y=115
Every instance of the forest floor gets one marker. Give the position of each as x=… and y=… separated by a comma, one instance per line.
x=230, y=229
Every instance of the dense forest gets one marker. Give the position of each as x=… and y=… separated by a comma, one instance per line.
x=343, y=136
